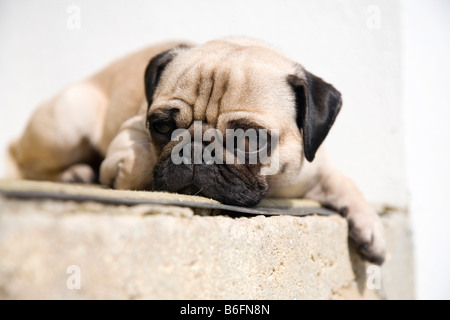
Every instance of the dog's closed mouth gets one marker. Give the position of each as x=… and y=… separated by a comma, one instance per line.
x=192, y=190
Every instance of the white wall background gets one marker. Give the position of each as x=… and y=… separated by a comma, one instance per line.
x=392, y=144
x=426, y=111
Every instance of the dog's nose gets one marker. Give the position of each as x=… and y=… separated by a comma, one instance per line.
x=196, y=155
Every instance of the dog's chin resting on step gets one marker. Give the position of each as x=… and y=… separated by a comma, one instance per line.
x=119, y=127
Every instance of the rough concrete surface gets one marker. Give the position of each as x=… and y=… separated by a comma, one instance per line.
x=167, y=252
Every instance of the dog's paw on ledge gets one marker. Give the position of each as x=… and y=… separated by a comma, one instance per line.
x=164, y=251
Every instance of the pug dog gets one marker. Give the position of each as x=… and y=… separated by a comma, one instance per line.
x=117, y=128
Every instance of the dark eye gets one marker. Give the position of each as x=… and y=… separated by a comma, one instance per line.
x=163, y=127
x=253, y=142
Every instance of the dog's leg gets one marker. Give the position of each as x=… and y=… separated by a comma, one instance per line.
x=130, y=158
x=333, y=189
x=59, y=141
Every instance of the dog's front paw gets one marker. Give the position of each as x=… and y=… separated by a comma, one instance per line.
x=127, y=170
x=114, y=170
x=366, y=230
x=130, y=158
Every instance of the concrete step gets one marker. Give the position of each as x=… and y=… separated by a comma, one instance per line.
x=53, y=249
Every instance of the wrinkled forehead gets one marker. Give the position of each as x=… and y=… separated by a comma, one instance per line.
x=224, y=77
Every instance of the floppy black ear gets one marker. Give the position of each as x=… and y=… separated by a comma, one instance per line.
x=318, y=104
x=155, y=69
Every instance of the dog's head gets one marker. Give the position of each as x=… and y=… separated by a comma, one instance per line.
x=266, y=111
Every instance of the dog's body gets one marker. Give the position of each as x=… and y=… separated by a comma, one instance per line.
x=116, y=122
